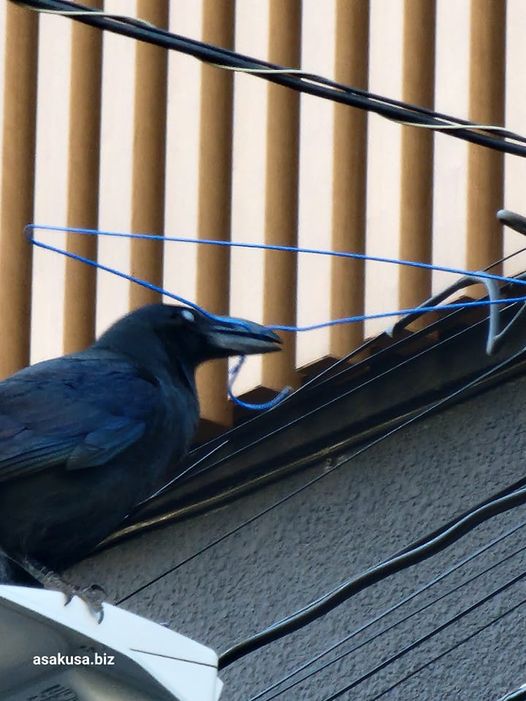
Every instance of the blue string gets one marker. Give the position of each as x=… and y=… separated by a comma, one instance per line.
x=268, y=247
x=234, y=372
x=30, y=228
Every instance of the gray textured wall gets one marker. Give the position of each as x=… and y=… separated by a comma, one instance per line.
x=397, y=491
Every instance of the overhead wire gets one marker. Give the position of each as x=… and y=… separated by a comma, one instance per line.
x=438, y=629
x=293, y=78
x=418, y=592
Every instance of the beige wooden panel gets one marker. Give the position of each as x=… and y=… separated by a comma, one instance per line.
x=116, y=166
x=19, y=70
x=384, y=176
x=316, y=183
x=182, y=153
x=51, y=171
x=132, y=161
x=451, y=155
x=515, y=167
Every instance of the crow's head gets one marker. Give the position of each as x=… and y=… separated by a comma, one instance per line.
x=187, y=334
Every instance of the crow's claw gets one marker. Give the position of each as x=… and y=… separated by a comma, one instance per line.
x=93, y=596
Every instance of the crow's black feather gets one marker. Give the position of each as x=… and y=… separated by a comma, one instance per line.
x=86, y=437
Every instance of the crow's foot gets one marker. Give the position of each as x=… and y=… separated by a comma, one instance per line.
x=93, y=596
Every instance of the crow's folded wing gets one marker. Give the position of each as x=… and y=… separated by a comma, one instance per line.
x=72, y=411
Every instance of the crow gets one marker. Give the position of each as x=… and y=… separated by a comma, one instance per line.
x=86, y=437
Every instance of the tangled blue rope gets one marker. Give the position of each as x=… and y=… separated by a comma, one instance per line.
x=31, y=228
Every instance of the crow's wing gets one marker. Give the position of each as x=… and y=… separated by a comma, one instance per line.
x=79, y=411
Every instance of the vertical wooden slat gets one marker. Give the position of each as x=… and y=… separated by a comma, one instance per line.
x=281, y=190
x=486, y=105
x=83, y=183
x=215, y=160
x=515, y=111
x=416, y=210
x=382, y=281
x=18, y=158
x=149, y=156
x=350, y=169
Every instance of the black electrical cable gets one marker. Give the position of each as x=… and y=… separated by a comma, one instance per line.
x=409, y=648
x=448, y=650
x=515, y=695
x=232, y=58
x=412, y=554
x=388, y=611
x=306, y=82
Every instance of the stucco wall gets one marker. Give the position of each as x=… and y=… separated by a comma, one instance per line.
x=399, y=490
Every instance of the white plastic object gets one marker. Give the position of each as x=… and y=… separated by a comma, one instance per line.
x=126, y=657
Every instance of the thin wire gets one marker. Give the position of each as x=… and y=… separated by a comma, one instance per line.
x=412, y=555
x=166, y=486
x=409, y=648
x=448, y=650
x=388, y=611
x=319, y=477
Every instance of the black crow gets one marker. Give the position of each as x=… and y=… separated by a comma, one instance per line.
x=86, y=437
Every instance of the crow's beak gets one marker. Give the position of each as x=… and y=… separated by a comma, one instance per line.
x=240, y=337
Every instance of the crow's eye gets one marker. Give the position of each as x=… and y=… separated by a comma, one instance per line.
x=188, y=315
